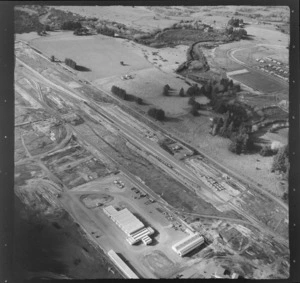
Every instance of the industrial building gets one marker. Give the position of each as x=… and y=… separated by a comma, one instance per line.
x=122, y=265
x=188, y=244
x=124, y=219
x=130, y=225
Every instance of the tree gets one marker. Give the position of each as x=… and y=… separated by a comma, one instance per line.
x=194, y=110
x=193, y=90
x=167, y=87
x=166, y=90
x=181, y=92
x=52, y=58
x=139, y=100
x=160, y=115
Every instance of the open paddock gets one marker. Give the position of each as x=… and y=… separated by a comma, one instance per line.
x=101, y=54
x=148, y=84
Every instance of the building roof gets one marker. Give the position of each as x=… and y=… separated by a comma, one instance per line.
x=188, y=242
x=125, y=219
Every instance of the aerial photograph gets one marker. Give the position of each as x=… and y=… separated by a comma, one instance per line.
x=151, y=142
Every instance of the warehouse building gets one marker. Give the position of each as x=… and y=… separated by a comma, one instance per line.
x=124, y=219
x=130, y=225
x=188, y=244
x=122, y=265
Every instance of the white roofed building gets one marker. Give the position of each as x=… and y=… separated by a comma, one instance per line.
x=188, y=244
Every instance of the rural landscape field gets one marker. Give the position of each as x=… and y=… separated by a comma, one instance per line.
x=151, y=142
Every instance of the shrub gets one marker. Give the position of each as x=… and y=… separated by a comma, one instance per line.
x=267, y=151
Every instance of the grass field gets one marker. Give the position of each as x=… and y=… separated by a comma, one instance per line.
x=266, y=84
x=100, y=54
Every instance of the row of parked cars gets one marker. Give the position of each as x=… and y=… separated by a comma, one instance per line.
x=274, y=67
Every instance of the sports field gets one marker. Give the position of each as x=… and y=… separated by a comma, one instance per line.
x=266, y=85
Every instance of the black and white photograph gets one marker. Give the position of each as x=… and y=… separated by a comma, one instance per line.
x=151, y=142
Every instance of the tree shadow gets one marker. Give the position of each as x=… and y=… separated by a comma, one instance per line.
x=171, y=119
x=82, y=69
x=133, y=98
x=249, y=37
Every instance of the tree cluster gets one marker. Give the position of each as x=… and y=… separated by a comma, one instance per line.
x=241, y=143
x=281, y=161
x=105, y=31
x=235, y=22
x=237, y=34
x=193, y=90
x=121, y=93
x=69, y=62
x=232, y=122
x=157, y=114
x=71, y=25
x=81, y=31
